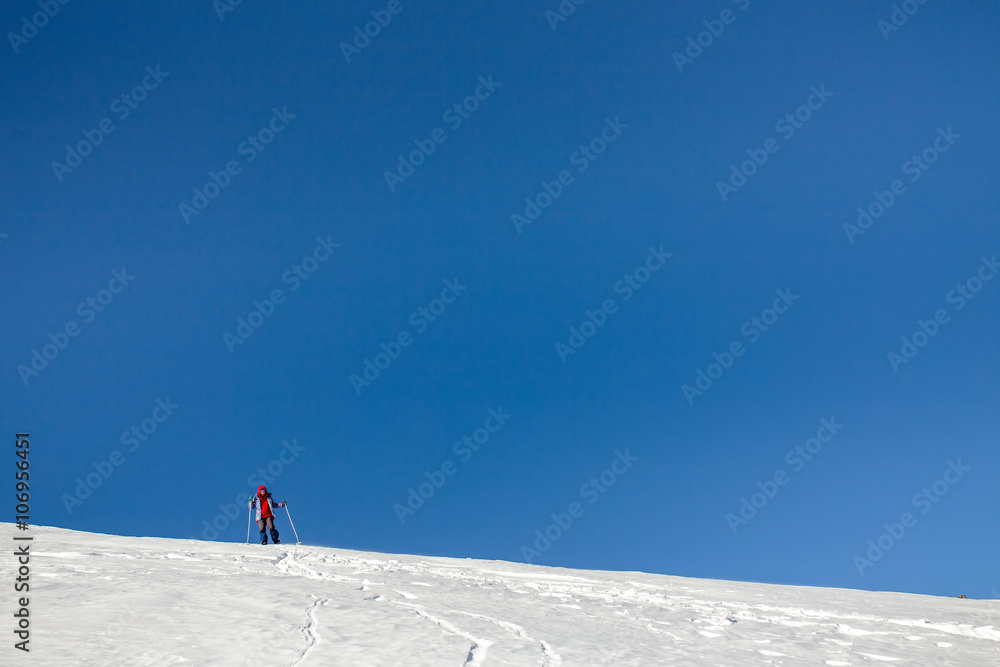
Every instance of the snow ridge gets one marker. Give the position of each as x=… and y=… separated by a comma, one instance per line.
x=237, y=605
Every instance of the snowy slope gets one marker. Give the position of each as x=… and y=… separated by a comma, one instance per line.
x=107, y=600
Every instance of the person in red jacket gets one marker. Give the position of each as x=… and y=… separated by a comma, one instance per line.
x=265, y=513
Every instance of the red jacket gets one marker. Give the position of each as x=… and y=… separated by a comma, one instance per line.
x=266, y=507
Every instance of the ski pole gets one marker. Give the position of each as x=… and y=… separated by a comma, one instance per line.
x=249, y=514
x=291, y=524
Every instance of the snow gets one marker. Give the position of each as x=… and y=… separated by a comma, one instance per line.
x=150, y=602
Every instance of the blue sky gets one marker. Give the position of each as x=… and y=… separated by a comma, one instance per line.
x=281, y=139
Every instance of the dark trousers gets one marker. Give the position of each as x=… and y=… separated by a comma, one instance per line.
x=267, y=522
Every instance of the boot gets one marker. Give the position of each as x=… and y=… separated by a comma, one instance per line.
x=263, y=537
x=274, y=536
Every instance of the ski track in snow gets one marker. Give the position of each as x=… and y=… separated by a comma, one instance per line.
x=238, y=605
x=480, y=647
x=309, y=629
x=549, y=657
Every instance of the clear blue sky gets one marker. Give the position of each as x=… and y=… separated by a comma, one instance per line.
x=280, y=74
